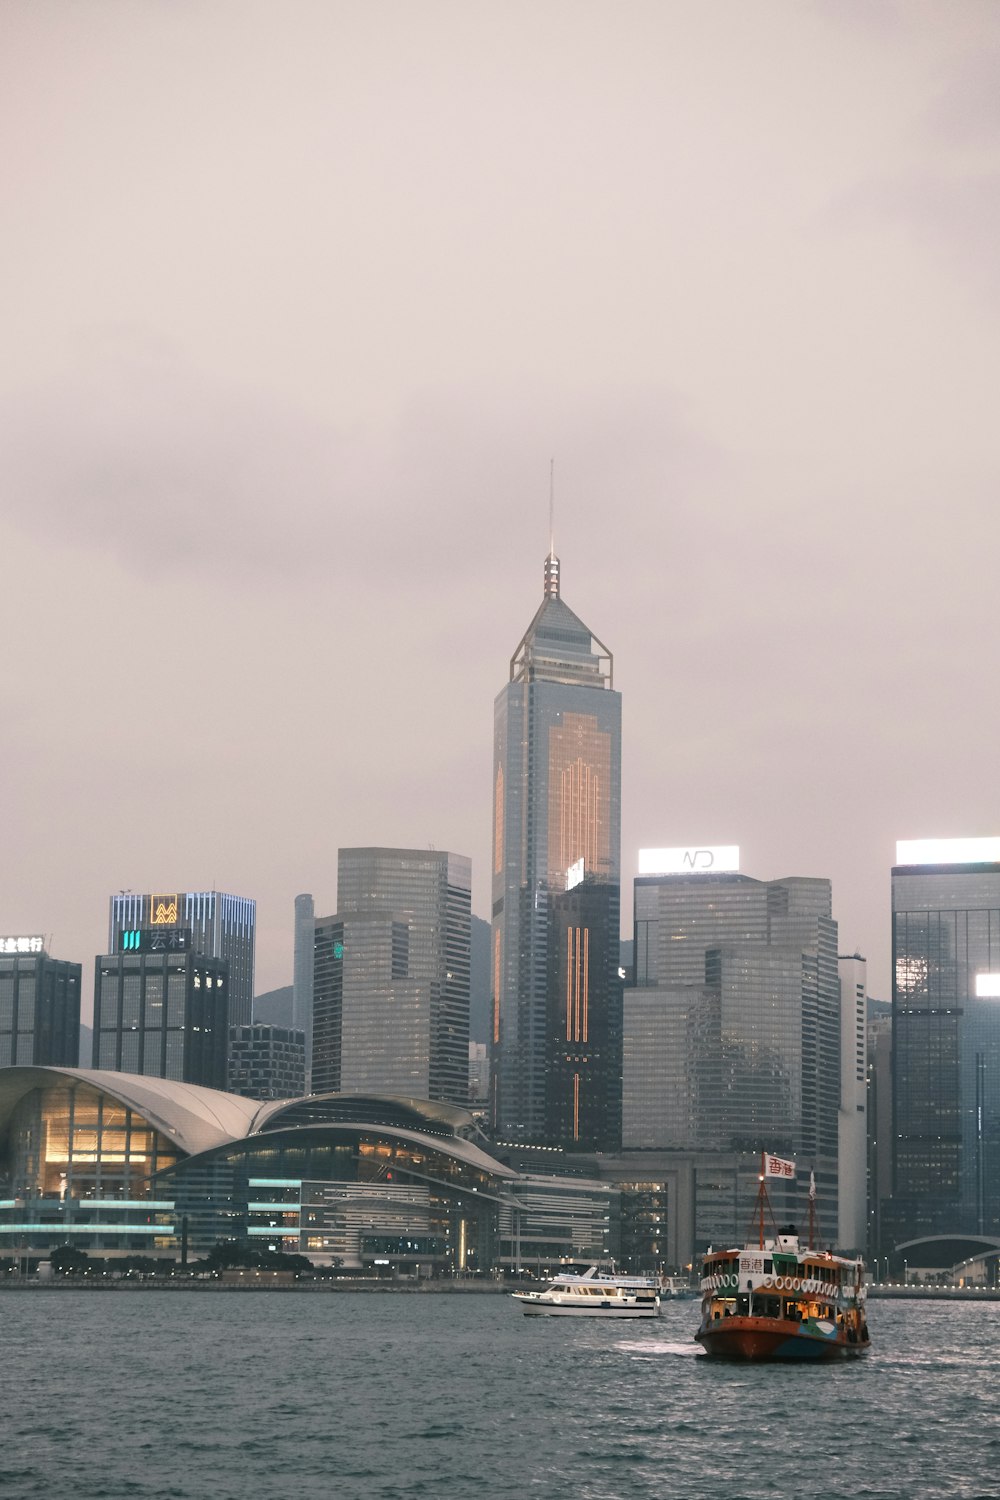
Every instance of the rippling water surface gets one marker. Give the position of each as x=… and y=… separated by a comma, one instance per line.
x=233, y=1396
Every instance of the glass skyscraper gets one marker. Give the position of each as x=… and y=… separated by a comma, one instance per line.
x=556, y=893
x=162, y=1013
x=946, y=1039
x=391, y=976
x=39, y=1005
x=221, y=926
x=302, y=974
x=732, y=1034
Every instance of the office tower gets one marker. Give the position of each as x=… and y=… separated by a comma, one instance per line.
x=391, y=977
x=267, y=1062
x=852, y=1127
x=556, y=896
x=879, y=1126
x=480, y=1001
x=302, y=974
x=161, y=1009
x=946, y=1039
x=221, y=926
x=583, y=1025
x=732, y=1034
x=39, y=1005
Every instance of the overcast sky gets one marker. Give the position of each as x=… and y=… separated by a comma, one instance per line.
x=300, y=300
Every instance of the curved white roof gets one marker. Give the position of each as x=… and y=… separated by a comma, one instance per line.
x=196, y=1118
x=431, y=1110
x=199, y=1119
x=447, y=1145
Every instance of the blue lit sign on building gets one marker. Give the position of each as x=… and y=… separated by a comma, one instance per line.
x=155, y=940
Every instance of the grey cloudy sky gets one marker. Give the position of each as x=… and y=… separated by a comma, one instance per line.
x=299, y=300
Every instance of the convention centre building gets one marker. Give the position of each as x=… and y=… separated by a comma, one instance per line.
x=121, y=1165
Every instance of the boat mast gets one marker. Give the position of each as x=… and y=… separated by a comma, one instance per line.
x=763, y=1203
x=762, y=1200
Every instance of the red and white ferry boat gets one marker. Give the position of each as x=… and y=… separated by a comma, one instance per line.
x=775, y=1299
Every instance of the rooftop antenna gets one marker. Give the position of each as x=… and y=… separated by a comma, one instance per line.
x=552, y=562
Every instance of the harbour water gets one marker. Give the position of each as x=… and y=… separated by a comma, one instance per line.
x=183, y=1396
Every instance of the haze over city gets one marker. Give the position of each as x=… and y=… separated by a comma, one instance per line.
x=300, y=303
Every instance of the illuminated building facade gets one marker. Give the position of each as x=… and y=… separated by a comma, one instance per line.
x=556, y=885
x=162, y=1012
x=582, y=1099
x=732, y=1033
x=221, y=926
x=117, y=1165
x=39, y=1004
x=945, y=1039
x=391, y=976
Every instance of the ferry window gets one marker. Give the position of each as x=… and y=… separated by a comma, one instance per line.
x=768, y=1268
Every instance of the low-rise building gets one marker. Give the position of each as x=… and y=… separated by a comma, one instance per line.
x=267, y=1062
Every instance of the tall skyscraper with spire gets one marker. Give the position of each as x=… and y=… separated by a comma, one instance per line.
x=556, y=1035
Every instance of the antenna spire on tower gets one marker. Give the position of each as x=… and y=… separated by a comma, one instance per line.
x=552, y=562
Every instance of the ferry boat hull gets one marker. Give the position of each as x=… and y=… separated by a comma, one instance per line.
x=757, y=1339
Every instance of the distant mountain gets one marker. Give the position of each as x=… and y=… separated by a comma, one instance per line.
x=274, y=1007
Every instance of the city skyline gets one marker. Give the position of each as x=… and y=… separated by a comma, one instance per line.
x=286, y=365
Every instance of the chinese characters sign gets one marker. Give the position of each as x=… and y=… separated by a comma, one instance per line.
x=155, y=940
x=21, y=944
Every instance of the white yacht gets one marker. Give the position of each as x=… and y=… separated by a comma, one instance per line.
x=595, y=1294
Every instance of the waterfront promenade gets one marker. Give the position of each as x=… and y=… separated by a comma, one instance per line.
x=895, y=1292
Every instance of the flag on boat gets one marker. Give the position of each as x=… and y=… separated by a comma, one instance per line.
x=812, y=1186
x=775, y=1166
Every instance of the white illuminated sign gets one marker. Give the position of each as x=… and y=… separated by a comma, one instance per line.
x=948, y=852
x=988, y=986
x=574, y=875
x=21, y=944
x=721, y=858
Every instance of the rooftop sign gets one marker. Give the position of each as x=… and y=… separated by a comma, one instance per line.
x=21, y=944
x=948, y=851
x=717, y=859
x=163, y=911
x=155, y=940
